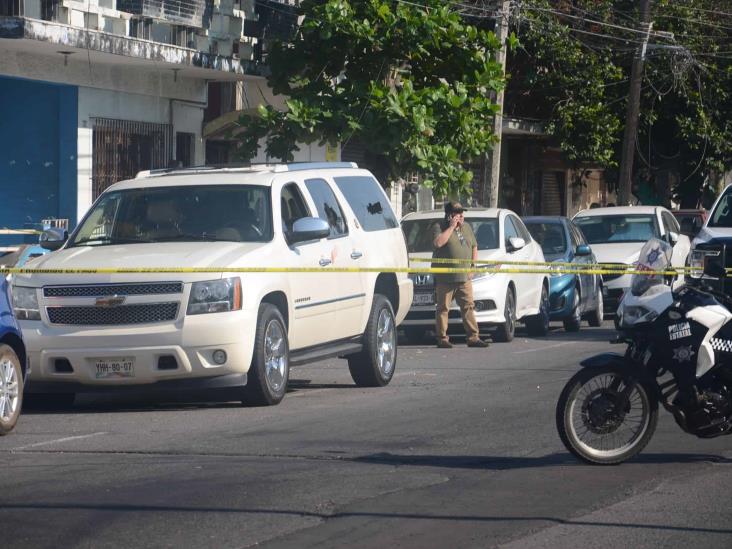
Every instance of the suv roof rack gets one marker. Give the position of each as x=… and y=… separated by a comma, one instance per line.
x=255, y=167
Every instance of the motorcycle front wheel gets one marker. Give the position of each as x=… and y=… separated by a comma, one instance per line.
x=605, y=416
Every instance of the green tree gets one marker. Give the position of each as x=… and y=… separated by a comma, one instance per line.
x=572, y=72
x=412, y=81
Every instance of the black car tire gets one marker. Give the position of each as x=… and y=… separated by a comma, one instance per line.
x=596, y=317
x=538, y=325
x=572, y=323
x=260, y=389
x=368, y=367
x=13, y=375
x=506, y=331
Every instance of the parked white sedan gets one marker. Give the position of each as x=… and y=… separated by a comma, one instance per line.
x=500, y=298
x=617, y=236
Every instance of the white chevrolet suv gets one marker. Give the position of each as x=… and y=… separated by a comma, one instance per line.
x=215, y=327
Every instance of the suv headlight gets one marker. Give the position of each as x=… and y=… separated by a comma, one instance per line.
x=215, y=296
x=25, y=303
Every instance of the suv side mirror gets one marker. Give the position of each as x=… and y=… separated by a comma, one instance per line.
x=52, y=239
x=583, y=250
x=308, y=228
x=673, y=238
x=515, y=244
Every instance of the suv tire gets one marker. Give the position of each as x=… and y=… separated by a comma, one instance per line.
x=375, y=365
x=270, y=368
x=11, y=389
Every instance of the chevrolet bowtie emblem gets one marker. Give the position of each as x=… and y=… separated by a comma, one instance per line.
x=111, y=301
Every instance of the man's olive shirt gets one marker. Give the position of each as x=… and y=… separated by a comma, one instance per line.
x=459, y=246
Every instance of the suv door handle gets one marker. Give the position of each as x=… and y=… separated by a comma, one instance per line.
x=355, y=254
x=325, y=262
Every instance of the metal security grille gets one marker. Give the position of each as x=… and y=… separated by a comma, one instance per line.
x=114, y=289
x=123, y=147
x=146, y=313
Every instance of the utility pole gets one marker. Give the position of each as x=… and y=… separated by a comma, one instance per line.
x=631, y=117
x=492, y=163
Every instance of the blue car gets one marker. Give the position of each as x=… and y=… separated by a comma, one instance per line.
x=572, y=297
x=12, y=363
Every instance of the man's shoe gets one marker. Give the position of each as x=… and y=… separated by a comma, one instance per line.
x=478, y=343
x=444, y=345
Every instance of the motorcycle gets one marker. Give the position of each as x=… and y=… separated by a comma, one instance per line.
x=679, y=354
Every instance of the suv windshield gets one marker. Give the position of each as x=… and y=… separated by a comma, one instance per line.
x=236, y=213
x=550, y=236
x=418, y=233
x=601, y=229
x=722, y=214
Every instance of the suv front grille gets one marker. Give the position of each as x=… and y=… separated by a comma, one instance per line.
x=101, y=290
x=143, y=313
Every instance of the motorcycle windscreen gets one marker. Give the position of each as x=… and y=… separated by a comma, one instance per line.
x=654, y=259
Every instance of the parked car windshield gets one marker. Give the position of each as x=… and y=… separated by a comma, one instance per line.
x=236, y=213
x=722, y=214
x=418, y=233
x=602, y=229
x=551, y=237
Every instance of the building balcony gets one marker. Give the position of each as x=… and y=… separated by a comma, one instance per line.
x=192, y=13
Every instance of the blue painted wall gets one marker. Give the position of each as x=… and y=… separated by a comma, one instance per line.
x=38, y=148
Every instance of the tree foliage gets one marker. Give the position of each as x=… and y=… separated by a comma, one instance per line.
x=573, y=70
x=412, y=81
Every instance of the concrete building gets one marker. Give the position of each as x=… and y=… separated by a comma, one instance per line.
x=92, y=91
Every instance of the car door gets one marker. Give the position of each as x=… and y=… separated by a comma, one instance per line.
x=311, y=294
x=683, y=244
x=526, y=287
x=587, y=281
x=349, y=295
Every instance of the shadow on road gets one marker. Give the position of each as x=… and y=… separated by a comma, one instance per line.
x=502, y=463
x=146, y=509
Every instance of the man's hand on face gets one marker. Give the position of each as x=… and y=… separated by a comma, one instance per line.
x=454, y=221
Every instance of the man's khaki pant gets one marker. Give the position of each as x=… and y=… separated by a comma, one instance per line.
x=462, y=293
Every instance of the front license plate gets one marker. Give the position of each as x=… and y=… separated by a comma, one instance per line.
x=424, y=299
x=115, y=367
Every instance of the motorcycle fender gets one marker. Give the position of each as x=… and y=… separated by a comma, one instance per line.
x=605, y=359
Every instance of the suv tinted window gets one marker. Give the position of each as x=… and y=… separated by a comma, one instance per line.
x=328, y=207
x=292, y=205
x=189, y=213
x=368, y=202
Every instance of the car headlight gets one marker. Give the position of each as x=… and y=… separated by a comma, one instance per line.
x=557, y=270
x=25, y=303
x=215, y=296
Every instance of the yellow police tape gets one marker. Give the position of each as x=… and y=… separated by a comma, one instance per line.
x=572, y=266
x=324, y=270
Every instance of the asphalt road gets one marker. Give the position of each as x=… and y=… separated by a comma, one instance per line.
x=460, y=450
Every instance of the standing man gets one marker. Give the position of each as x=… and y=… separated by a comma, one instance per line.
x=454, y=239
